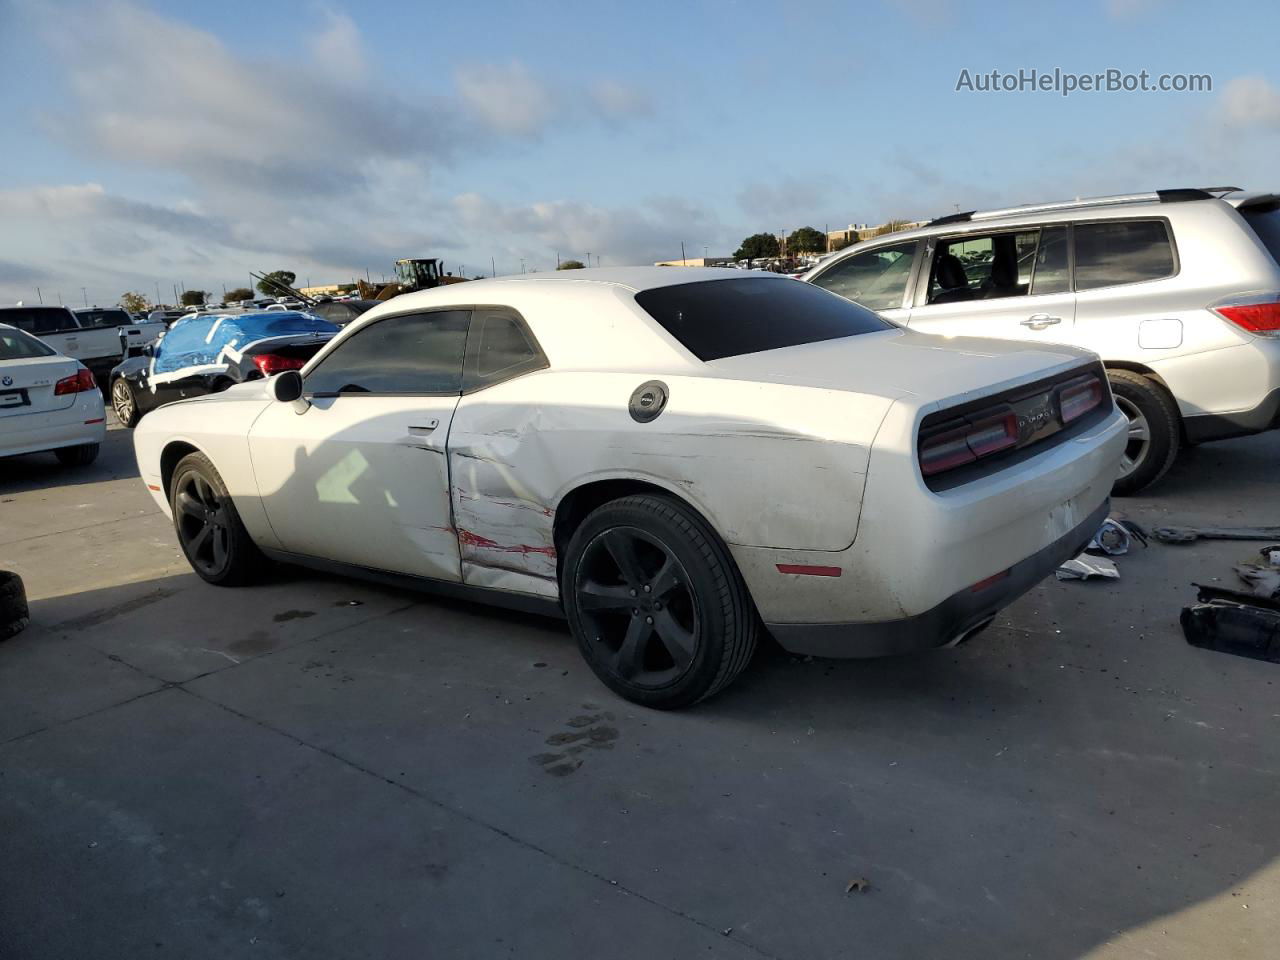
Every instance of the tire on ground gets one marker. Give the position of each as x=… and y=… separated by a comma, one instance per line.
x=14, y=615
x=728, y=625
x=78, y=456
x=1155, y=403
x=245, y=561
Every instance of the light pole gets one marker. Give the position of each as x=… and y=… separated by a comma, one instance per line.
x=39, y=296
x=85, y=295
x=522, y=264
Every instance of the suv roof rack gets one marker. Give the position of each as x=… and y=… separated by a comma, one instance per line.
x=1177, y=195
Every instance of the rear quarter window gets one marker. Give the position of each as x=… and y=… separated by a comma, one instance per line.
x=713, y=319
x=1265, y=222
x=1114, y=252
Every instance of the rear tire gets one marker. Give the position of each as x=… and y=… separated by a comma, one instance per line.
x=1154, y=430
x=209, y=529
x=78, y=456
x=656, y=603
x=124, y=402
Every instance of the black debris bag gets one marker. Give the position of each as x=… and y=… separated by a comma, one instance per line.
x=1229, y=621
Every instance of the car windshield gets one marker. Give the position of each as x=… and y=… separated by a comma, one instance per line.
x=727, y=318
x=16, y=345
x=103, y=318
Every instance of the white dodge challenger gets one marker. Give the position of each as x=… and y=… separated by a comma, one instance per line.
x=673, y=459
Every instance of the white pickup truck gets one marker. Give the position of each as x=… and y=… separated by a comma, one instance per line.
x=98, y=348
x=134, y=334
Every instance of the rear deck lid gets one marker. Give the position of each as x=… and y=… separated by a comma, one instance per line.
x=27, y=382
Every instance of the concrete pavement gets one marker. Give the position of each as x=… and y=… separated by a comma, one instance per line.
x=318, y=767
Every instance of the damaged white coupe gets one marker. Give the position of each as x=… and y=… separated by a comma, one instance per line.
x=675, y=460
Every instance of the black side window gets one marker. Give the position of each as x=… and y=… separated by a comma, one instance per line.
x=500, y=347
x=1052, y=270
x=1122, y=251
x=982, y=267
x=418, y=353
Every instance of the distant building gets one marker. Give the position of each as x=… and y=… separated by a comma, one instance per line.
x=697, y=262
x=857, y=232
x=328, y=290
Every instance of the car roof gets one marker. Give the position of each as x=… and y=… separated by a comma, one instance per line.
x=634, y=279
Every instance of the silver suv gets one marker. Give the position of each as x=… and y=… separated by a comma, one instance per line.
x=1178, y=291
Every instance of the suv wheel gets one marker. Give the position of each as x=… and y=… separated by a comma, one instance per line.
x=656, y=603
x=1154, y=432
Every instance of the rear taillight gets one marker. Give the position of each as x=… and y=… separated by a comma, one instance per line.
x=1077, y=397
x=270, y=363
x=964, y=441
x=1262, y=319
x=78, y=382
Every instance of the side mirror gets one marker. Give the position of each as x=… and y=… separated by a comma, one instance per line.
x=287, y=386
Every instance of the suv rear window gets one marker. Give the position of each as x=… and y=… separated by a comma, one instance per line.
x=39, y=320
x=1113, y=252
x=1265, y=221
x=727, y=318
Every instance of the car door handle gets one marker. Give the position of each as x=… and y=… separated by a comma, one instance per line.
x=423, y=428
x=1038, y=321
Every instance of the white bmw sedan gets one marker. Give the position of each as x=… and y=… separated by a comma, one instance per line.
x=48, y=402
x=673, y=459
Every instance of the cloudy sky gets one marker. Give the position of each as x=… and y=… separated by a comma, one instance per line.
x=162, y=143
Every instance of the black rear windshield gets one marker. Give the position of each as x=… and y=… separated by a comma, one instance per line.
x=39, y=319
x=1265, y=221
x=728, y=318
x=104, y=318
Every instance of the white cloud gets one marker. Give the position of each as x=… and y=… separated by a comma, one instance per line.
x=638, y=234
x=1251, y=101
x=507, y=97
x=339, y=46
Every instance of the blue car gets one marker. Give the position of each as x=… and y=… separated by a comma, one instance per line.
x=210, y=352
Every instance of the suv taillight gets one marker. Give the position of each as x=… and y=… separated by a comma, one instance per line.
x=271, y=363
x=1260, y=319
x=971, y=438
x=78, y=382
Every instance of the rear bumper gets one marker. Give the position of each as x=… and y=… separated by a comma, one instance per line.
x=1223, y=426
x=37, y=432
x=955, y=617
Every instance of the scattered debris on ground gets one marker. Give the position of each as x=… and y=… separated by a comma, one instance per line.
x=861, y=884
x=1190, y=534
x=1084, y=567
x=14, y=615
x=1115, y=535
x=1230, y=621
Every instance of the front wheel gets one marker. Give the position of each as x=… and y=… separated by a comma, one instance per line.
x=1154, y=432
x=124, y=403
x=209, y=529
x=656, y=603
